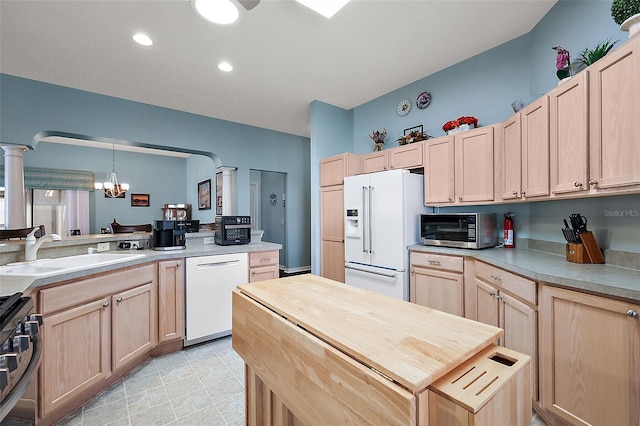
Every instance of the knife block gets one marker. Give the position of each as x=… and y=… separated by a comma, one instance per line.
x=587, y=252
x=576, y=253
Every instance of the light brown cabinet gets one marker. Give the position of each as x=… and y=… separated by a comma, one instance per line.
x=460, y=169
x=589, y=358
x=93, y=328
x=523, y=153
x=408, y=156
x=264, y=265
x=333, y=170
x=569, y=136
x=439, y=177
x=508, y=301
x=375, y=162
x=170, y=300
x=437, y=282
x=614, y=141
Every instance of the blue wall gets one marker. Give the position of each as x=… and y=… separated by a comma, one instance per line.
x=29, y=107
x=485, y=86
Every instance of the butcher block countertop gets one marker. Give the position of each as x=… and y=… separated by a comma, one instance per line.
x=411, y=344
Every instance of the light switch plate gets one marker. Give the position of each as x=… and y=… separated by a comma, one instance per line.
x=103, y=246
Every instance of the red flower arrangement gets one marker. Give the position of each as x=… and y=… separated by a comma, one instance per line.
x=450, y=125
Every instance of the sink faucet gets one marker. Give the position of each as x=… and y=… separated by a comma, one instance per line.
x=31, y=245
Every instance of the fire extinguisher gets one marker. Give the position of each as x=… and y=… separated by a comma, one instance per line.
x=509, y=236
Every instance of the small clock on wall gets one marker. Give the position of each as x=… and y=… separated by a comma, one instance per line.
x=404, y=107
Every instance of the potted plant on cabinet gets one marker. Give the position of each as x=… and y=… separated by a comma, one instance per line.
x=626, y=13
x=589, y=56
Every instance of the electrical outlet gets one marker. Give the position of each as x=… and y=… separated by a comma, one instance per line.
x=209, y=240
x=103, y=246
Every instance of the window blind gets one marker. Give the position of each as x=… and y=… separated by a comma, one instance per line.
x=41, y=178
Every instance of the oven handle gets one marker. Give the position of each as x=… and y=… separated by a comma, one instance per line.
x=16, y=393
x=371, y=272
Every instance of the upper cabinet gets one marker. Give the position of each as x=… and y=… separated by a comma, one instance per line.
x=460, y=168
x=375, y=162
x=569, y=135
x=523, y=153
x=614, y=90
x=406, y=156
x=334, y=169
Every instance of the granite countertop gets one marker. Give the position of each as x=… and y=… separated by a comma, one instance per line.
x=13, y=284
x=554, y=269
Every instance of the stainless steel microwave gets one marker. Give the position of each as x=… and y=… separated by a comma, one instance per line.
x=460, y=230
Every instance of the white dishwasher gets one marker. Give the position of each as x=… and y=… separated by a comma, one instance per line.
x=209, y=282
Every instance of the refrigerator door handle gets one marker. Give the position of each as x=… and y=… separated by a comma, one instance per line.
x=372, y=272
x=364, y=232
x=370, y=219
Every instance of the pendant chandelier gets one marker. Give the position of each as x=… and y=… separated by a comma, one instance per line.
x=112, y=188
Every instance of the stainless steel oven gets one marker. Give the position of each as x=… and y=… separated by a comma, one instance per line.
x=461, y=230
x=20, y=351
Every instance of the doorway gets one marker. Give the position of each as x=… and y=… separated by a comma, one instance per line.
x=268, y=208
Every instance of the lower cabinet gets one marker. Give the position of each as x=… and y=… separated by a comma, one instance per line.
x=437, y=282
x=264, y=265
x=589, y=358
x=170, y=300
x=93, y=328
x=508, y=301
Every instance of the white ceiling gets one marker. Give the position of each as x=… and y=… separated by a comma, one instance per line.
x=285, y=55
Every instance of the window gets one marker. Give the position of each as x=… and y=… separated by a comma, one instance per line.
x=58, y=210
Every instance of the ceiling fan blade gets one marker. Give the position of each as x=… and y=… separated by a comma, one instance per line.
x=249, y=4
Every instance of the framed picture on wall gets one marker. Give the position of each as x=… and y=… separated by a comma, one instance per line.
x=204, y=195
x=139, y=200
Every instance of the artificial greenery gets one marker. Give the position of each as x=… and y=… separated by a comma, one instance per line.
x=589, y=56
x=623, y=9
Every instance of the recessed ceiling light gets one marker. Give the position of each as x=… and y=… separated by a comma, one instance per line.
x=217, y=11
x=143, y=39
x=326, y=8
x=225, y=66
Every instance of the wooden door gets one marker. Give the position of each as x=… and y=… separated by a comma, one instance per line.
x=76, y=352
x=439, y=290
x=474, y=169
x=589, y=358
x=439, y=177
x=535, y=148
x=568, y=136
x=170, y=300
x=375, y=162
x=520, y=325
x=332, y=232
x=510, y=155
x=406, y=157
x=486, y=303
x=615, y=108
x=133, y=324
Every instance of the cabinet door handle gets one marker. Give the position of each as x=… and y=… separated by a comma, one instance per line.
x=119, y=299
x=498, y=297
x=593, y=182
x=577, y=184
x=492, y=293
x=631, y=313
x=105, y=304
x=433, y=262
x=253, y=272
x=522, y=193
x=515, y=193
x=460, y=197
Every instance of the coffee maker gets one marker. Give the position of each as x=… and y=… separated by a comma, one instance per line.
x=169, y=235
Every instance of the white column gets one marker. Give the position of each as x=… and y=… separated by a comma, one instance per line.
x=226, y=187
x=14, y=211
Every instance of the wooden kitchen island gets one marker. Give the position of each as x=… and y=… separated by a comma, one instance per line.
x=319, y=352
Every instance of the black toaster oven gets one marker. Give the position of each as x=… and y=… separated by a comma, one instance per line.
x=233, y=230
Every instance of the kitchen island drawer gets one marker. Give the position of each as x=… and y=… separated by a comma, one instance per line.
x=518, y=286
x=437, y=261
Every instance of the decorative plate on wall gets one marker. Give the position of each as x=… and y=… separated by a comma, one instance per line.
x=404, y=107
x=423, y=100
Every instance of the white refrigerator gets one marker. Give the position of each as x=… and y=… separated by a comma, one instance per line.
x=382, y=217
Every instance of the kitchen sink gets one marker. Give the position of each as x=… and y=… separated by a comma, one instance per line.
x=62, y=265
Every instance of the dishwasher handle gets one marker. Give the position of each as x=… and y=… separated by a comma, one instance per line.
x=212, y=265
x=372, y=272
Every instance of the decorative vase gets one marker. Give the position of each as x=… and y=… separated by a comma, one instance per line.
x=461, y=128
x=631, y=24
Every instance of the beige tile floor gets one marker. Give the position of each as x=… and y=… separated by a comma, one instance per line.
x=200, y=385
